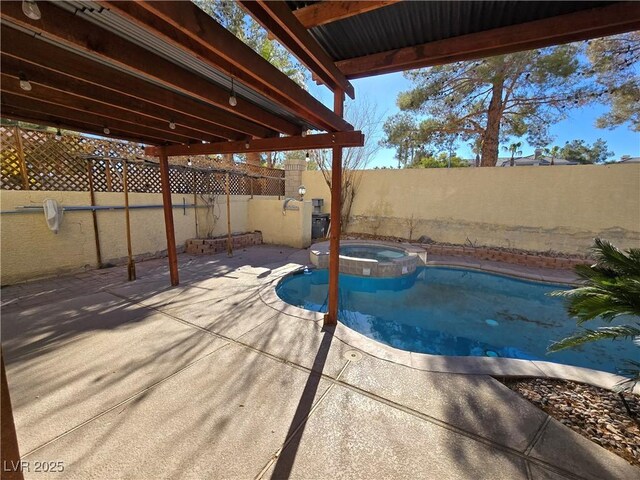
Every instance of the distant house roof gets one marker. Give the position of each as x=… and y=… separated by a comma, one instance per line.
x=531, y=160
x=629, y=159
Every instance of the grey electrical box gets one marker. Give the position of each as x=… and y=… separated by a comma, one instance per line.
x=319, y=225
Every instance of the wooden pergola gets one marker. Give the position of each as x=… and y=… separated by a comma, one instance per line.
x=166, y=74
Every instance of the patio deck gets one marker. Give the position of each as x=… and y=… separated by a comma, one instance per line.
x=205, y=380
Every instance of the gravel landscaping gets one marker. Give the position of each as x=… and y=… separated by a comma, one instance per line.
x=595, y=413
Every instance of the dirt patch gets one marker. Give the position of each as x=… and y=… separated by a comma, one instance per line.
x=423, y=241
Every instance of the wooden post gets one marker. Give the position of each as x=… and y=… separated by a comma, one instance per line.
x=94, y=214
x=331, y=317
x=107, y=175
x=131, y=266
x=168, y=217
x=21, y=160
x=11, y=467
x=226, y=187
x=195, y=198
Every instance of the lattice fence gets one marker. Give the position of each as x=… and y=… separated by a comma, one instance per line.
x=37, y=160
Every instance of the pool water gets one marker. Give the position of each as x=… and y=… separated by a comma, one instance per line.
x=447, y=311
x=372, y=252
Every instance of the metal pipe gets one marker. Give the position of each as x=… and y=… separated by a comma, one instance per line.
x=37, y=208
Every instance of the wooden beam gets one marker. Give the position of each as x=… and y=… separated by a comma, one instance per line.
x=11, y=465
x=81, y=115
x=112, y=115
x=322, y=13
x=331, y=318
x=168, y=217
x=188, y=28
x=73, y=31
x=48, y=80
x=572, y=27
x=29, y=51
x=277, y=18
x=282, y=144
x=52, y=121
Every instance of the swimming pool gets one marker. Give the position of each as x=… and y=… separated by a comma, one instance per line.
x=450, y=311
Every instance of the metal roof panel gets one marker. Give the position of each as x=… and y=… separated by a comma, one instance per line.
x=410, y=23
x=111, y=21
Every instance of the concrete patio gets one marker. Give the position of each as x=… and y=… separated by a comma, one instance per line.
x=141, y=380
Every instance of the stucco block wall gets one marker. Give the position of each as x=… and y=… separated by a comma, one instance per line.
x=212, y=216
x=532, y=208
x=292, y=228
x=147, y=225
x=31, y=250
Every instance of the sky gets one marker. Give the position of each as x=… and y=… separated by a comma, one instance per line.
x=383, y=90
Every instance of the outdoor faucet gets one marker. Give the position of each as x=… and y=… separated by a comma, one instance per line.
x=286, y=202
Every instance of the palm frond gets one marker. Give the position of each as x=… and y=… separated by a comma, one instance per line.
x=611, y=257
x=609, y=288
x=602, y=333
x=628, y=384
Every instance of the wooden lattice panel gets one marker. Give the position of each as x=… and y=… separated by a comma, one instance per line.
x=144, y=178
x=112, y=149
x=37, y=160
x=12, y=175
x=54, y=164
x=180, y=180
x=199, y=182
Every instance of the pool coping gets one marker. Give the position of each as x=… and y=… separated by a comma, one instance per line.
x=493, y=366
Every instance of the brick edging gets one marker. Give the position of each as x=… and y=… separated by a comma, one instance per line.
x=485, y=253
x=209, y=246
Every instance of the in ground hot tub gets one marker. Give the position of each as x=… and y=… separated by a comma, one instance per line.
x=371, y=259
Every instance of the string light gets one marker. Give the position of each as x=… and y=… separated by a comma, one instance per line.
x=306, y=157
x=24, y=82
x=58, y=134
x=31, y=9
x=106, y=130
x=233, y=101
x=172, y=125
x=189, y=162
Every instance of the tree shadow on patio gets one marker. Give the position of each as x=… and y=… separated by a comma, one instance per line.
x=284, y=463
